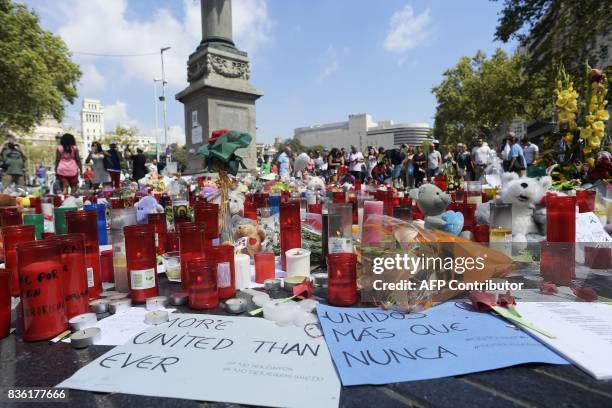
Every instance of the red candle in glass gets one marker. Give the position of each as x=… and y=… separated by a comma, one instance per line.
x=5, y=303
x=158, y=220
x=481, y=233
x=315, y=208
x=355, y=212
x=586, y=200
x=191, y=242
x=86, y=222
x=264, y=266
x=42, y=295
x=203, y=291
x=561, y=219
x=223, y=256
x=107, y=271
x=339, y=197
x=417, y=214
x=172, y=242
x=74, y=275
x=250, y=209
x=141, y=261
x=291, y=230
x=558, y=262
x=440, y=181
x=405, y=201
x=261, y=199
x=35, y=203
x=11, y=236
x=342, y=279
x=11, y=216
x=469, y=213
x=207, y=214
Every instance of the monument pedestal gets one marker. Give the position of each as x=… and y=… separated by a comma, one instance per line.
x=219, y=95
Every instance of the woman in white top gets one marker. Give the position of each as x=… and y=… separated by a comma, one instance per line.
x=100, y=175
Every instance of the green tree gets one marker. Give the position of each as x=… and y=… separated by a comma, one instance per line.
x=123, y=136
x=36, y=73
x=297, y=147
x=556, y=32
x=179, y=154
x=479, y=95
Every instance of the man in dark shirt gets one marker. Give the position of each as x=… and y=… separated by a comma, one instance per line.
x=139, y=164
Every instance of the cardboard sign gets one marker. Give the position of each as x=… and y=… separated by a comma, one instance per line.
x=373, y=346
x=241, y=360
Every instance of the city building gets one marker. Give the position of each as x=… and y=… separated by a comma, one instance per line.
x=361, y=130
x=92, y=122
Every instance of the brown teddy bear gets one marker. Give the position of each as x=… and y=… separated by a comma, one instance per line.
x=254, y=234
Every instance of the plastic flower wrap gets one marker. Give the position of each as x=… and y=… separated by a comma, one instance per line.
x=219, y=152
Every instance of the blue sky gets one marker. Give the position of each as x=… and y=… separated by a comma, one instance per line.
x=316, y=61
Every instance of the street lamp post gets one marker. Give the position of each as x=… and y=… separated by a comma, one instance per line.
x=155, y=81
x=163, y=99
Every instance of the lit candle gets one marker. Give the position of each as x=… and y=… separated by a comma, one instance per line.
x=371, y=234
x=298, y=262
x=242, y=266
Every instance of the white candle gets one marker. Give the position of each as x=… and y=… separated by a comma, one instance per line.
x=242, y=267
x=298, y=262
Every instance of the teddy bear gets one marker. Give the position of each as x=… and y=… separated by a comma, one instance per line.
x=528, y=215
x=433, y=202
x=253, y=233
x=145, y=206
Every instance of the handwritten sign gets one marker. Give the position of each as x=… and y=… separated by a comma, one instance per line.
x=373, y=346
x=202, y=357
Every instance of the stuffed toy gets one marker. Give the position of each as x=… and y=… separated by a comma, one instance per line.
x=145, y=206
x=528, y=215
x=433, y=202
x=71, y=201
x=315, y=183
x=254, y=234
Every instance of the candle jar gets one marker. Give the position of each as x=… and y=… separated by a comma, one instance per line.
x=59, y=219
x=223, y=255
x=298, y=262
x=250, y=208
x=86, y=222
x=352, y=199
x=557, y=262
x=402, y=212
x=37, y=221
x=474, y=192
x=120, y=218
x=42, y=296
x=191, y=243
x=481, y=233
x=11, y=236
x=5, y=303
x=10, y=216
x=264, y=266
x=440, y=181
x=101, y=211
x=203, y=291
x=339, y=197
x=469, y=213
x=74, y=276
x=172, y=242
x=370, y=233
x=261, y=199
x=172, y=265
x=586, y=200
x=500, y=230
x=315, y=208
x=274, y=203
x=291, y=231
x=106, y=264
x=339, y=228
x=242, y=268
x=141, y=261
x=561, y=219
x=180, y=212
x=208, y=214
x=35, y=204
x=342, y=279
x=160, y=227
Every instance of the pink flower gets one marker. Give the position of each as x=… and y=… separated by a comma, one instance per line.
x=548, y=288
x=585, y=293
x=482, y=301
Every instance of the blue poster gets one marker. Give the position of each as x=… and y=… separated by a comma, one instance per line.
x=374, y=346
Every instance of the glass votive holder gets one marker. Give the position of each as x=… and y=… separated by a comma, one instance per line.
x=37, y=221
x=264, y=266
x=11, y=236
x=172, y=241
x=481, y=233
x=172, y=265
x=315, y=208
x=59, y=219
x=474, y=192
x=141, y=259
x=402, y=212
x=207, y=214
x=561, y=219
x=10, y=216
x=342, y=279
x=5, y=303
x=586, y=200
x=203, y=291
x=558, y=262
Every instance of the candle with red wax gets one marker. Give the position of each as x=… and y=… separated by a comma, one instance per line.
x=586, y=200
x=191, y=243
x=86, y=222
x=11, y=236
x=561, y=219
x=74, y=275
x=158, y=220
x=5, y=303
x=203, y=291
x=42, y=296
x=172, y=242
x=10, y=216
x=291, y=230
x=223, y=256
x=141, y=261
x=207, y=214
x=264, y=266
x=342, y=279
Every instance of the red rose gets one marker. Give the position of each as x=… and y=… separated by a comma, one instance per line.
x=216, y=134
x=482, y=301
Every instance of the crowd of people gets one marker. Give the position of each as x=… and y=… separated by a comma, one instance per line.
x=405, y=166
x=101, y=168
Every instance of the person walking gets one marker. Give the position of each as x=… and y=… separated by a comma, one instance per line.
x=356, y=161
x=68, y=164
x=464, y=163
x=13, y=162
x=139, y=163
x=517, y=157
x=372, y=160
x=434, y=161
x=99, y=159
x=409, y=164
x=41, y=175
x=480, y=158
x=420, y=163
x=335, y=160
x=531, y=151
x=114, y=164
x=284, y=162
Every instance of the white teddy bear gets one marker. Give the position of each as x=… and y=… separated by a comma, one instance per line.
x=528, y=216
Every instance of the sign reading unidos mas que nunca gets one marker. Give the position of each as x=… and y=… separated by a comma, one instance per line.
x=218, y=358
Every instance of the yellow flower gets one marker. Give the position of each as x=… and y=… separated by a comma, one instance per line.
x=587, y=149
x=569, y=138
x=561, y=101
x=586, y=133
x=589, y=119
x=599, y=133
x=591, y=162
x=594, y=142
x=571, y=106
x=603, y=114
x=598, y=125
x=572, y=125
x=565, y=117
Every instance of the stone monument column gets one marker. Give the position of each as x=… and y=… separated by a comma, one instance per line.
x=219, y=95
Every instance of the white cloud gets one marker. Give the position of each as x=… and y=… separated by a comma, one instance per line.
x=92, y=80
x=407, y=30
x=330, y=63
x=105, y=27
x=117, y=115
x=176, y=134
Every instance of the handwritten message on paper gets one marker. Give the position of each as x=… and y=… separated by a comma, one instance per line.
x=373, y=346
x=218, y=358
